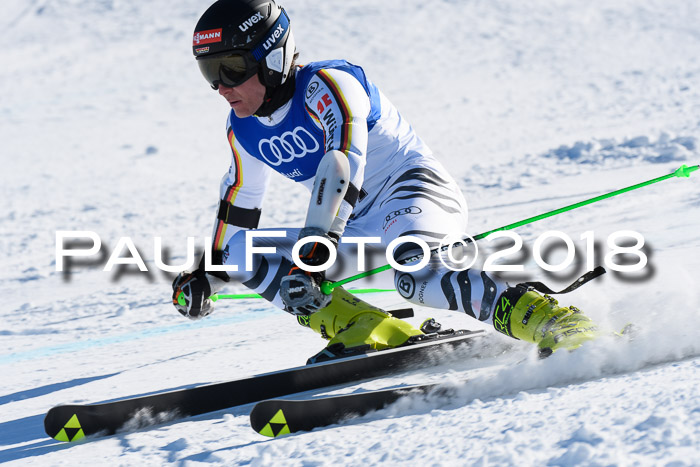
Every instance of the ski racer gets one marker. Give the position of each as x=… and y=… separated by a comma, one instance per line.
x=287, y=118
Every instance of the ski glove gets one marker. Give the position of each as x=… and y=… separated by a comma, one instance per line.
x=301, y=290
x=191, y=292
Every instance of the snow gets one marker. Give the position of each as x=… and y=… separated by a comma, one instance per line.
x=107, y=126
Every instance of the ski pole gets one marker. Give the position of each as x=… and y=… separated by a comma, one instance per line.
x=683, y=171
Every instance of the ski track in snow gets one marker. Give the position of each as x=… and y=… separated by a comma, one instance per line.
x=106, y=125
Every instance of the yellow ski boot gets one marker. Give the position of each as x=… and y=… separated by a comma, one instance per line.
x=524, y=314
x=353, y=326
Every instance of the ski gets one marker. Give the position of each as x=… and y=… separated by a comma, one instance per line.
x=74, y=422
x=277, y=417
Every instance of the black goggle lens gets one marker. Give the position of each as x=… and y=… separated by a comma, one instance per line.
x=229, y=70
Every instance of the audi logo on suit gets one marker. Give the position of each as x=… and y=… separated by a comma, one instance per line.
x=292, y=144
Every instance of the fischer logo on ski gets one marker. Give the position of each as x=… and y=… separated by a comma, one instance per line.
x=277, y=426
x=71, y=431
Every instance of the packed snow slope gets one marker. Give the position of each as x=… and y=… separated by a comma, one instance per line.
x=107, y=126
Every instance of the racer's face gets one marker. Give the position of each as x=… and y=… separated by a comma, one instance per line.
x=245, y=98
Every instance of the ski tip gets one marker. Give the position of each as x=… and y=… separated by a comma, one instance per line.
x=62, y=426
x=272, y=427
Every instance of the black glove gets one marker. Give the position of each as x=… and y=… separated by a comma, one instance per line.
x=191, y=291
x=301, y=290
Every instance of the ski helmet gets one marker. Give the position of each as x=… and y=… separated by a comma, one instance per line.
x=235, y=39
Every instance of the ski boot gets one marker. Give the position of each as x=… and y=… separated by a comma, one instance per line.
x=354, y=327
x=524, y=314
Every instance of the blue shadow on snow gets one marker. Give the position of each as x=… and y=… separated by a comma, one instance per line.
x=49, y=388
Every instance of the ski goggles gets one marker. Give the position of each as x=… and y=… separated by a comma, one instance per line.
x=228, y=68
x=235, y=67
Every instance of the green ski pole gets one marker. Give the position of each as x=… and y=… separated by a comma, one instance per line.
x=327, y=287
